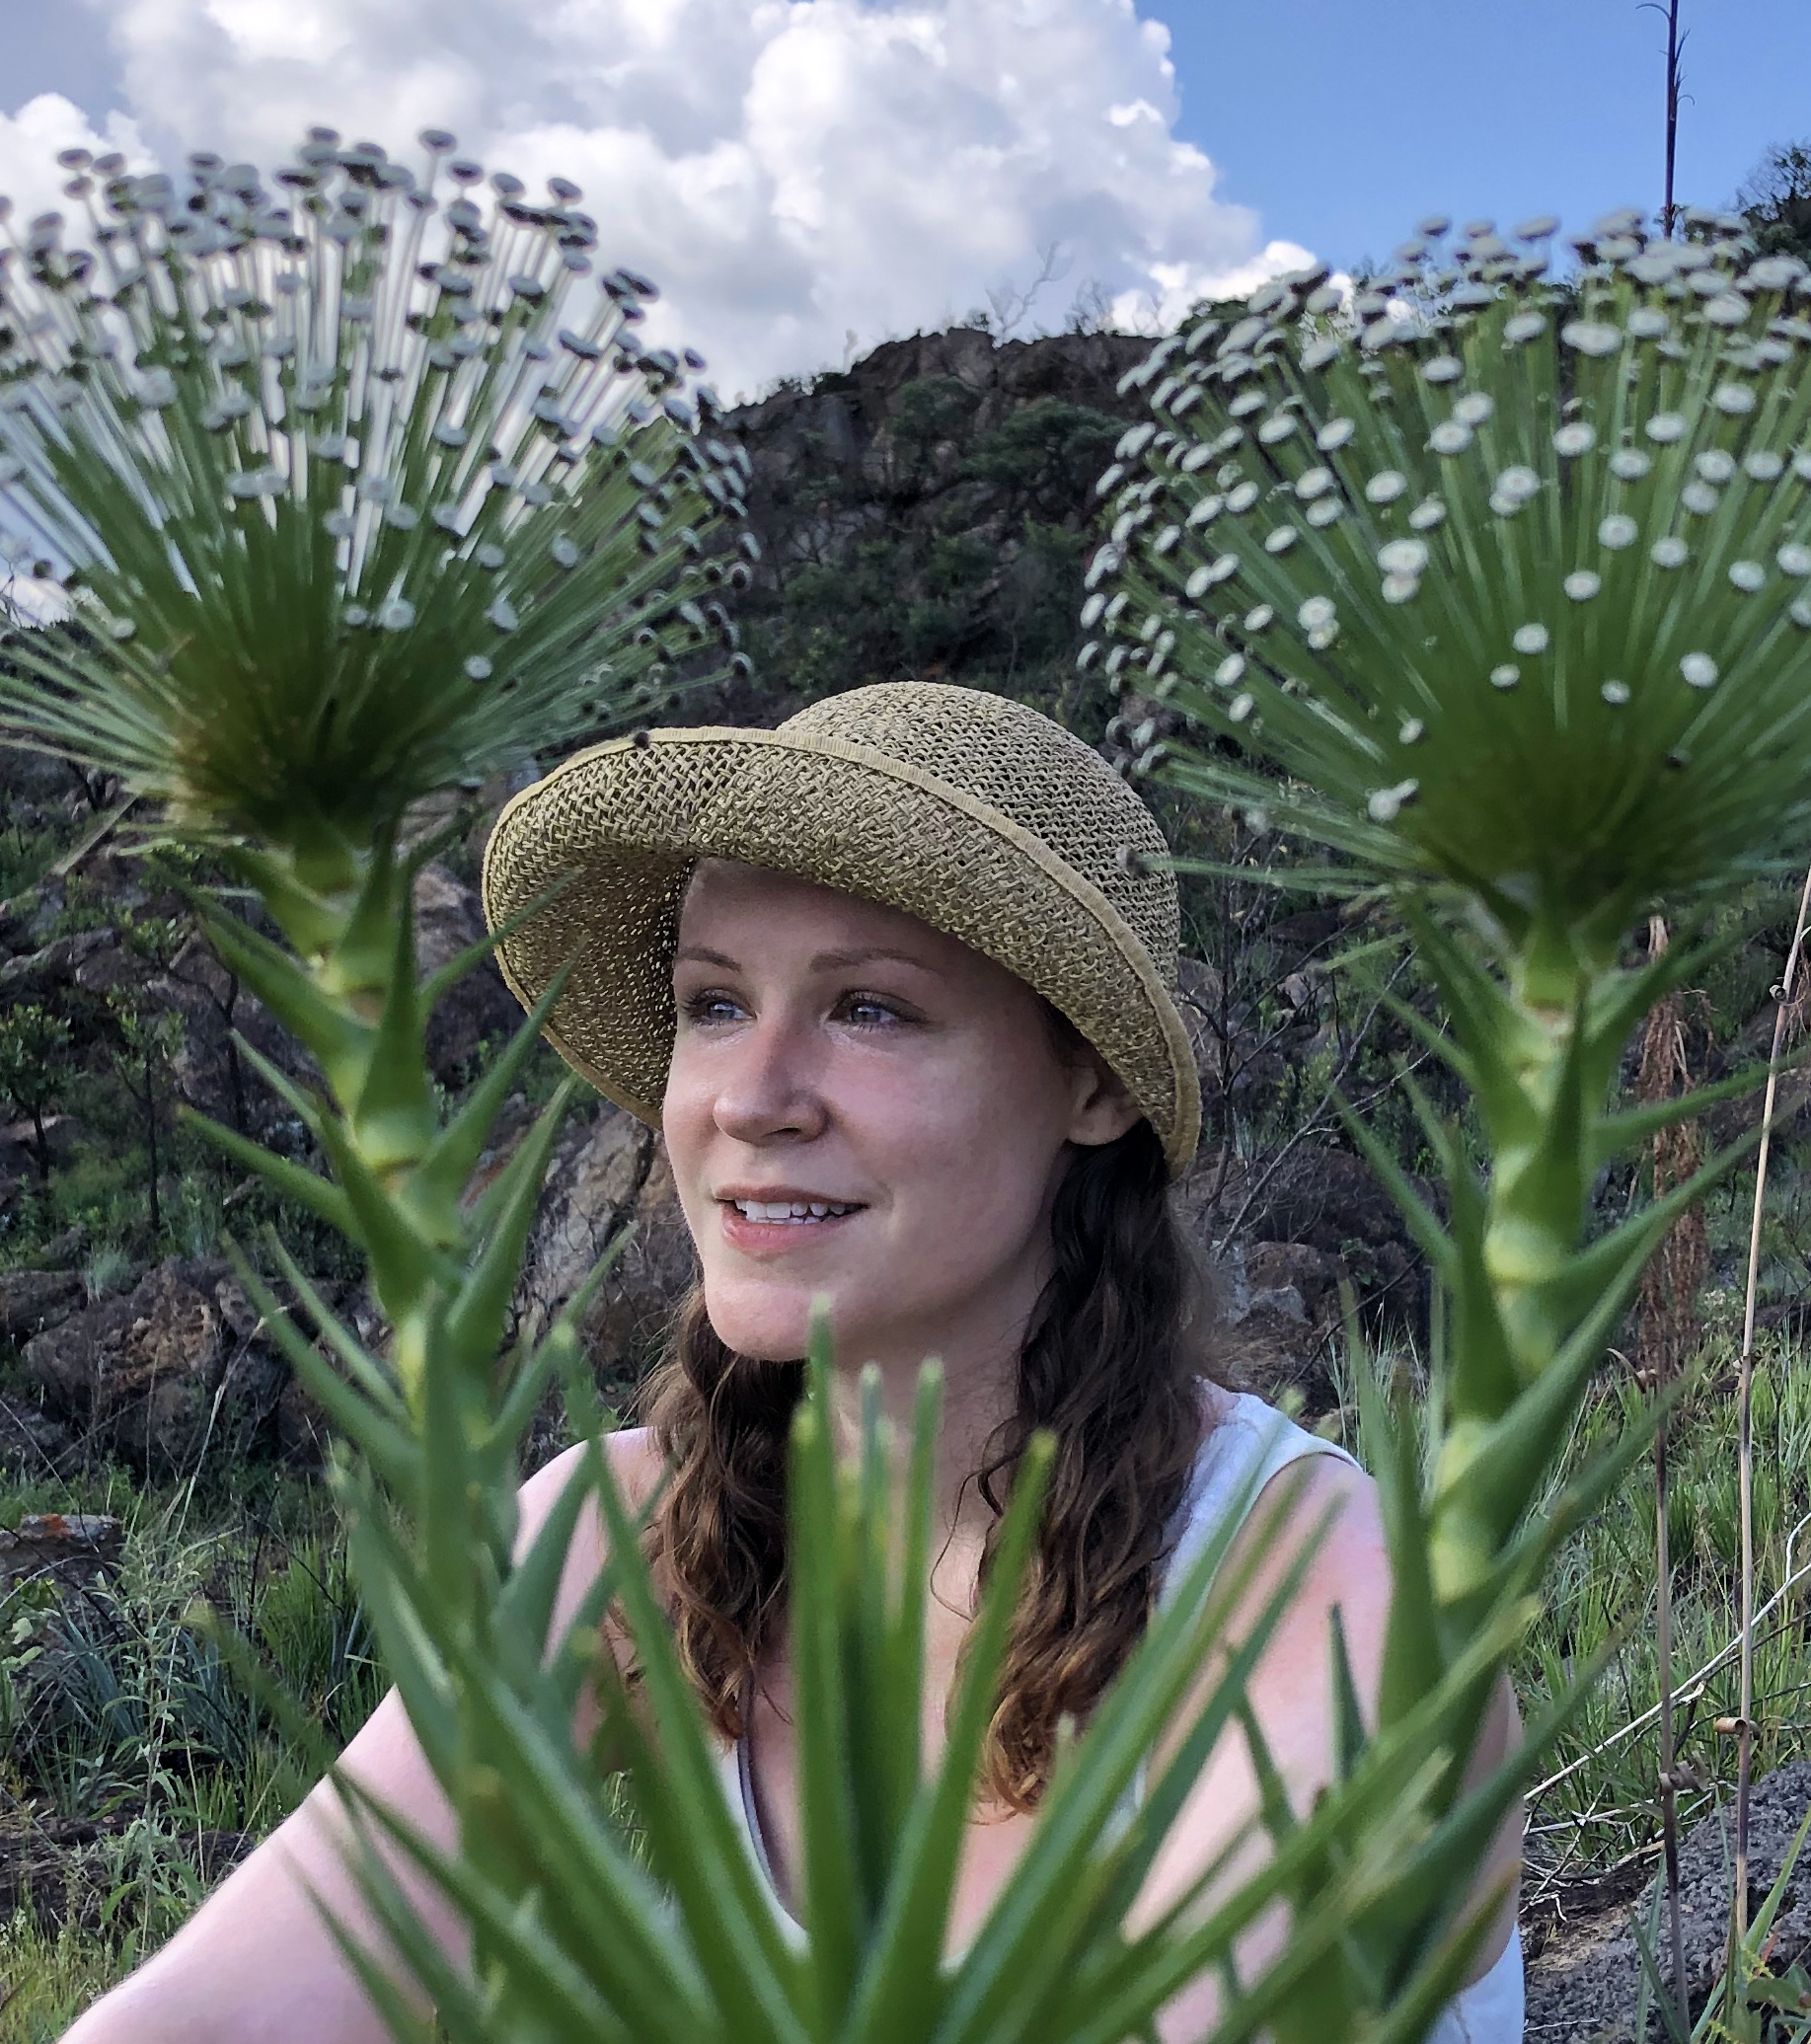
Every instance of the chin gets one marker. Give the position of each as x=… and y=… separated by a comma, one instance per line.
x=767, y=1324
x=772, y=1322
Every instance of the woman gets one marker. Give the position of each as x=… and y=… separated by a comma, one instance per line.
x=894, y=981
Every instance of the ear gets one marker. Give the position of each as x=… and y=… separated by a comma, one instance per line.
x=1100, y=1108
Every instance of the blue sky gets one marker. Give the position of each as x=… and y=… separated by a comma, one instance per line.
x=809, y=179
x=1343, y=121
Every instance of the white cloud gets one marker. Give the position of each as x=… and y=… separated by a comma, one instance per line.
x=789, y=170
x=31, y=140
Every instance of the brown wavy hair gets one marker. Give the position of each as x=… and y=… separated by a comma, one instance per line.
x=1111, y=1365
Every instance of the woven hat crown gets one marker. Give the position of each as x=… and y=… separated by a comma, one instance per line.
x=975, y=814
x=1034, y=773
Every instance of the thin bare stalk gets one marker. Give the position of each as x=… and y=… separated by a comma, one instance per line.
x=1669, y=1780
x=1669, y=214
x=1668, y=10
x=1744, y=1455
x=1668, y=1324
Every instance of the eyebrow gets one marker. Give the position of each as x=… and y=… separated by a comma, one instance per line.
x=825, y=962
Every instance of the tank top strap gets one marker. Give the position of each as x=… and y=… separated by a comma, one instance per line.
x=1246, y=1442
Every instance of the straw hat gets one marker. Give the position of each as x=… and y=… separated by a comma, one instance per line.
x=975, y=814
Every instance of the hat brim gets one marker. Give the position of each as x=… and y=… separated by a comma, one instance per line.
x=623, y=825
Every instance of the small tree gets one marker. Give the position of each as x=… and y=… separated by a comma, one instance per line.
x=32, y=1042
x=187, y=956
x=149, y=1040
x=1775, y=199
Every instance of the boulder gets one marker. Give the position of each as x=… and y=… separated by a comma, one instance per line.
x=214, y=1010
x=52, y=968
x=1295, y=1278
x=1279, y=1320
x=33, y=1300
x=160, y=1374
x=596, y=1176
x=63, y=1136
x=31, y=1441
x=449, y=918
x=66, y=1547
x=1320, y=1198
x=607, y=1175
x=1584, y=1977
x=300, y=1429
x=1277, y=1354
x=653, y=1272
x=1197, y=1000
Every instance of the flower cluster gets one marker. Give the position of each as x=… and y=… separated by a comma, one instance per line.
x=357, y=485
x=1509, y=575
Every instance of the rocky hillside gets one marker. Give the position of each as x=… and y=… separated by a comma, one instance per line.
x=922, y=513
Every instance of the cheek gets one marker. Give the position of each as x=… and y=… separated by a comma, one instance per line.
x=686, y=1124
x=972, y=1148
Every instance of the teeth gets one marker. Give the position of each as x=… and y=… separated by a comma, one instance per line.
x=791, y=1209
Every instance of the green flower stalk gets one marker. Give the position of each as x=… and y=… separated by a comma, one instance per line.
x=1499, y=588
x=360, y=485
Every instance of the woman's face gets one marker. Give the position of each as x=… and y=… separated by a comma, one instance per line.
x=862, y=1108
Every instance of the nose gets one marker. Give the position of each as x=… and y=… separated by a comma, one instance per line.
x=768, y=1088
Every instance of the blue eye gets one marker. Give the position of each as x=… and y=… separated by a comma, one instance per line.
x=708, y=1008
x=868, y=1013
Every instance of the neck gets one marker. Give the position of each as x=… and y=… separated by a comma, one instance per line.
x=980, y=1364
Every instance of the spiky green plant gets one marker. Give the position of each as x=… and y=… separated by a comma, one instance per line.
x=359, y=486
x=1496, y=587
x=1511, y=578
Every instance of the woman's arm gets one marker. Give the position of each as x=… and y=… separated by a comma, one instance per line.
x=256, y=1964
x=1291, y=1693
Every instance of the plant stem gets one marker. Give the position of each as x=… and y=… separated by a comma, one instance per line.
x=1663, y=1068
x=1744, y=1455
x=1669, y=1796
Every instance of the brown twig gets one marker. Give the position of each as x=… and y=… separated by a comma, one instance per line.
x=1745, y=1456
x=1668, y=1327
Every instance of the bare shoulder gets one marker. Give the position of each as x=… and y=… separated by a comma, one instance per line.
x=634, y=1458
x=1328, y=1507
x=634, y=1462
x=1320, y=1516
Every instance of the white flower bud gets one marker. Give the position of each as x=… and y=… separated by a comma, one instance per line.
x=1402, y=557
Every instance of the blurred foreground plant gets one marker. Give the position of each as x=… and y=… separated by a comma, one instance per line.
x=1496, y=588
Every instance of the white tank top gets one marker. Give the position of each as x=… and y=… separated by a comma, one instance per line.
x=1247, y=1444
